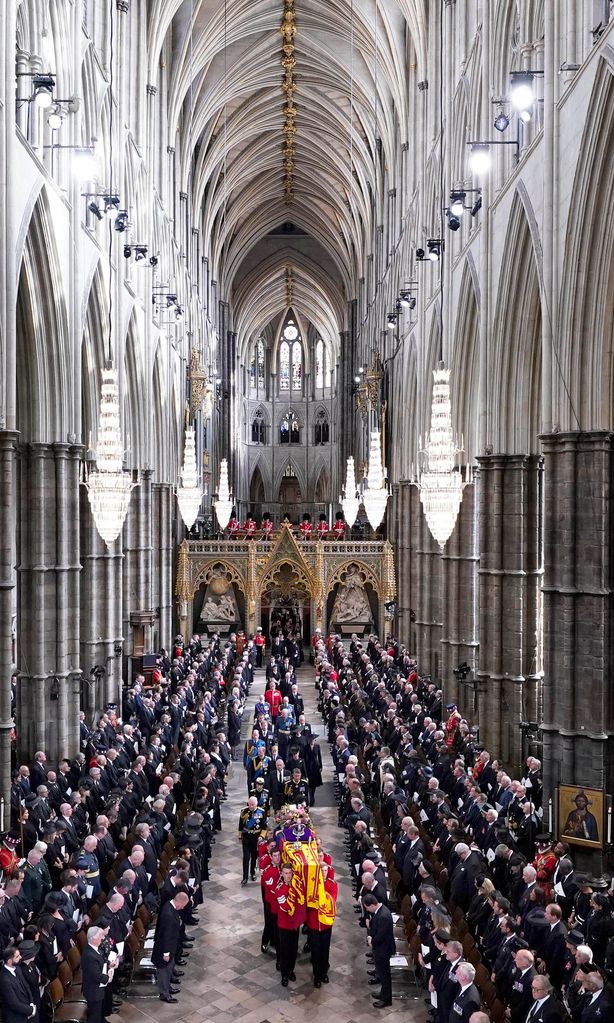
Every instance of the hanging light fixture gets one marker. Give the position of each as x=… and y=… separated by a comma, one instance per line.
x=350, y=502
x=440, y=481
x=189, y=494
x=223, y=505
x=109, y=487
x=375, y=497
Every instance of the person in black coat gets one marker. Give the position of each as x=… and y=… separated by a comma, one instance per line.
x=552, y=947
x=313, y=767
x=167, y=944
x=597, y=1006
x=549, y=1008
x=277, y=780
x=96, y=975
x=30, y=972
x=520, y=998
x=15, y=995
x=467, y=998
x=381, y=939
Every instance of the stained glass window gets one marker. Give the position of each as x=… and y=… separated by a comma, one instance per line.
x=297, y=366
x=260, y=363
x=284, y=366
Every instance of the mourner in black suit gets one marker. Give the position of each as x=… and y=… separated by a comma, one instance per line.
x=545, y=1008
x=276, y=783
x=167, y=943
x=381, y=938
x=467, y=998
x=17, y=1004
x=520, y=996
x=96, y=974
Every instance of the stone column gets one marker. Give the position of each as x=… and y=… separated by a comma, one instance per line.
x=578, y=712
x=428, y=607
x=96, y=638
x=163, y=572
x=404, y=494
x=459, y=640
x=8, y=502
x=509, y=673
x=137, y=540
x=48, y=600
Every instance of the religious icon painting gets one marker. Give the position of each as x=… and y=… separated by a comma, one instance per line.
x=580, y=815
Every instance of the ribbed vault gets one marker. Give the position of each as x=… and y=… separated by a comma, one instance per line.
x=223, y=69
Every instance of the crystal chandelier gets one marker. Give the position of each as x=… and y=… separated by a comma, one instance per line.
x=223, y=505
x=375, y=497
x=109, y=487
x=441, y=483
x=189, y=494
x=350, y=502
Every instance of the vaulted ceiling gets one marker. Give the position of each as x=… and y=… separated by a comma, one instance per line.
x=227, y=114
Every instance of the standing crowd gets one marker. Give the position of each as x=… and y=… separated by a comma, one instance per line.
x=116, y=843
x=501, y=925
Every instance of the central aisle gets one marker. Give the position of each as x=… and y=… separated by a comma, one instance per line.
x=227, y=978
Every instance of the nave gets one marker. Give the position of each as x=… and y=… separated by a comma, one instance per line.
x=227, y=978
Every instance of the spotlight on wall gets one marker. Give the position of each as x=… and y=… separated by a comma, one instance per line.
x=42, y=90
x=111, y=207
x=480, y=158
x=525, y=116
x=55, y=120
x=140, y=252
x=434, y=246
x=153, y=261
x=522, y=95
x=457, y=202
x=121, y=221
x=94, y=208
x=127, y=251
x=391, y=322
x=502, y=121
x=357, y=379
x=477, y=206
x=454, y=222
x=407, y=300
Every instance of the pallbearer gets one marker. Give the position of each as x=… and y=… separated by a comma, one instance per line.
x=290, y=919
x=320, y=926
x=323, y=527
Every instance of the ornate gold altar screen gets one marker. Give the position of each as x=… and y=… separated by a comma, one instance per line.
x=283, y=567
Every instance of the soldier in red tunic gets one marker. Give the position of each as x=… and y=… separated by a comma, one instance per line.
x=234, y=525
x=8, y=856
x=290, y=918
x=320, y=928
x=306, y=527
x=249, y=526
x=323, y=527
x=451, y=726
x=267, y=526
x=269, y=879
x=545, y=864
x=340, y=527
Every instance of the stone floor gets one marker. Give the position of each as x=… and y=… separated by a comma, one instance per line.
x=227, y=977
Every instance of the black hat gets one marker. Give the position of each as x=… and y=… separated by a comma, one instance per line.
x=450, y=706
x=443, y=936
x=10, y=838
x=29, y=949
x=30, y=799
x=545, y=838
x=339, y=516
x=583, y=880
x=322, y=517
x=306, y=517
x=599, y=884
x=55, y=900
x=575, y=938
x=266, y=515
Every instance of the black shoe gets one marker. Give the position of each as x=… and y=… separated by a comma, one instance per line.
x=253, y=877
x=243, y=882
x=170, y=999
x=178, y=973
x=371, y=973
x=187, y=944
x=180, y=962
x=193, y=921
x=325, y=979
x=317, y=983
x=374, y=980
x=381, y=1005
x=190, y=937
x=292, y=976
x=264, y=948
x=284, y=982
x=174, y=990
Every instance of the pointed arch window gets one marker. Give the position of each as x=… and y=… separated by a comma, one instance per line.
x=322, y=360
x=297, y=366
x=284, y=366
x=289, y=429
x=321, y=429
x=257, y=365
x=291, y=366
x=259, y=428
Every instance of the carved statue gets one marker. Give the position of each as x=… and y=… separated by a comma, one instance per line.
x=352, y=603
x=222, y=610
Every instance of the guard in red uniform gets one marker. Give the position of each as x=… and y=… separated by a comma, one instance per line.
x=306, y=527
x=320, y=926
x=259, y=643
x=267, y=526
x=269, y=879
x=545, y=864
x=290, y=918
x=234, y=525
x=274, y=699
x=451, y=726
x=323, y=527
x=340, y=527
x=8, y=856
x=249, y=526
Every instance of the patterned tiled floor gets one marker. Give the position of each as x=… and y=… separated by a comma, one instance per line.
x=227, y=977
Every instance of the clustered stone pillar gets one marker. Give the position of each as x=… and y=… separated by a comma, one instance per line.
x=8, y=440
x=509, y=673
x=404, y=498
x=459, y=642
x=137, y=534
x=578, y=713
x=163, y=499
x=426, y=555
x=48, y=647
